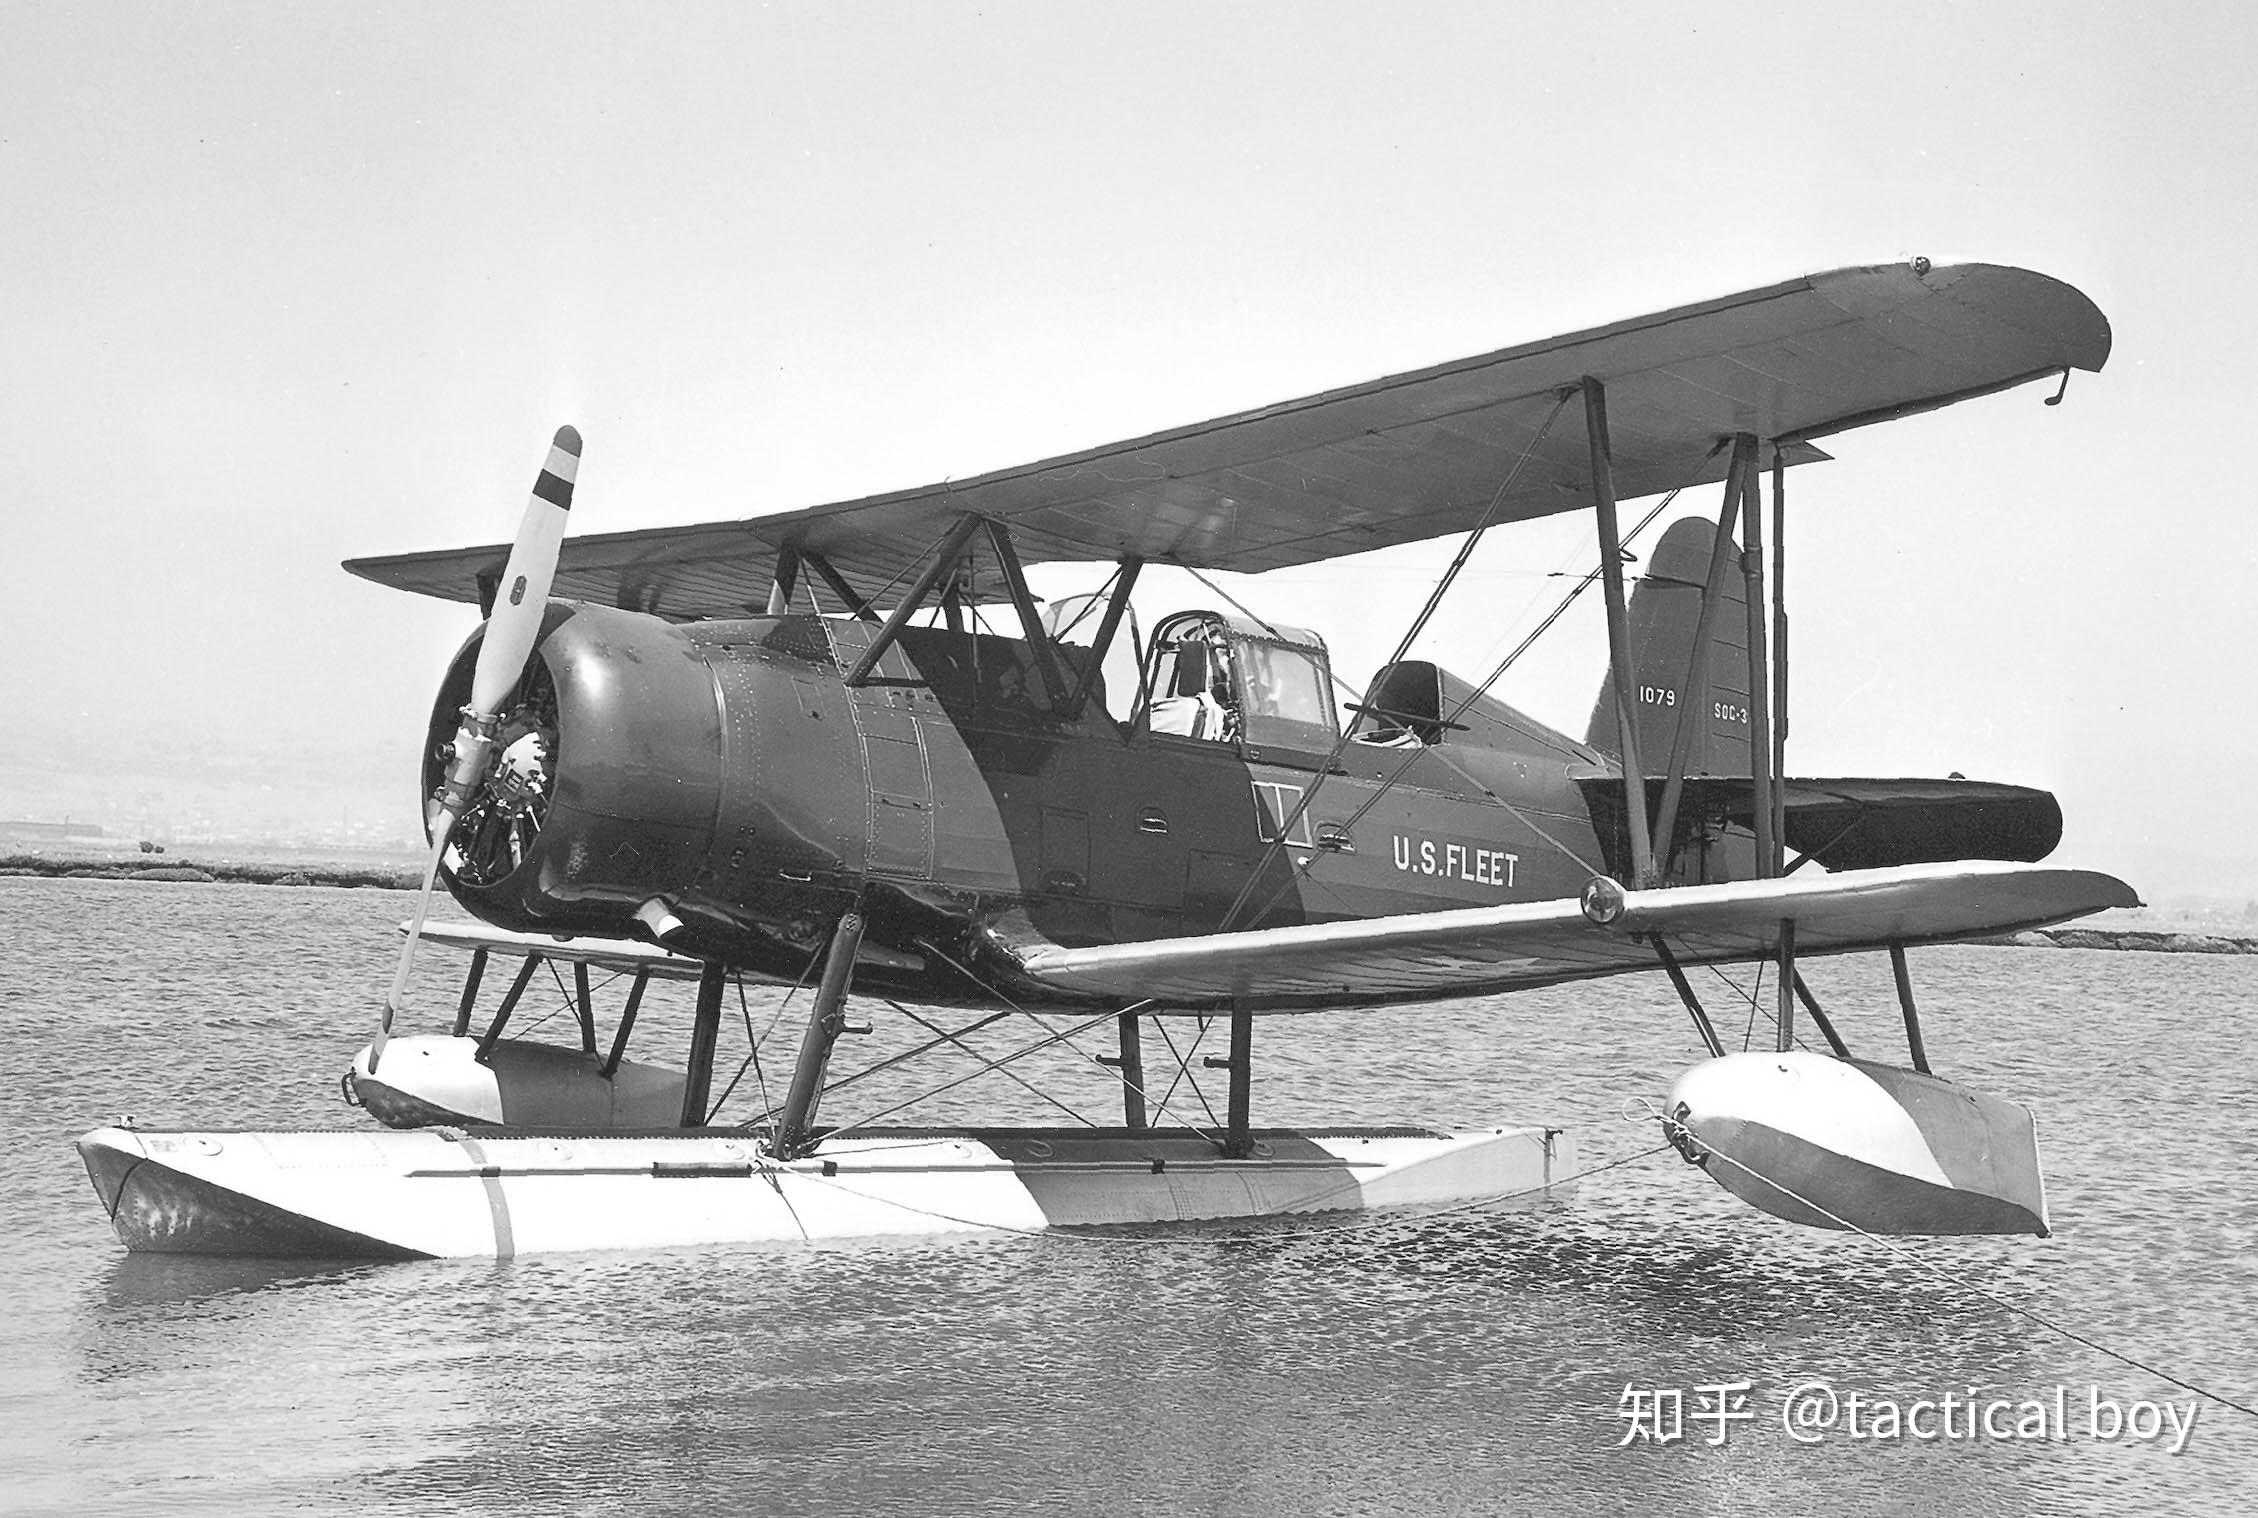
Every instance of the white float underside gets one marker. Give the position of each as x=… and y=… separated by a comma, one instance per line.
x=442, y=1192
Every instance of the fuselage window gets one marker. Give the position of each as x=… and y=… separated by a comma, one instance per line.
x=1285, y=682
x=1287, y=701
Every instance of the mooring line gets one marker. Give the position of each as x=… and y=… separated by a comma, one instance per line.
x=1993, y=1297
x=1339, y=1220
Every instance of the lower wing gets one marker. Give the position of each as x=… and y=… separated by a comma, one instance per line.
x=1429, y=954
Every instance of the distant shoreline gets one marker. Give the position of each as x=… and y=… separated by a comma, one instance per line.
x=378, y=875
x=2137, y=940
x=189, y=869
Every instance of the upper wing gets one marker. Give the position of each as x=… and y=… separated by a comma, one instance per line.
x=1432, y=954
x=1395, y=460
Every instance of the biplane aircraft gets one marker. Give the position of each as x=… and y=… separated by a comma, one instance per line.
x=789, y=748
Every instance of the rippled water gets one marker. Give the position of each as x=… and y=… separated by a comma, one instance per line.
x=1471, y=1361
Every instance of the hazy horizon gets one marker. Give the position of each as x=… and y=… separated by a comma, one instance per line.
x=296, y=286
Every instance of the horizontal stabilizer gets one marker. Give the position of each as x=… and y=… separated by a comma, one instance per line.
x=1430, y=954
x=1871, y=824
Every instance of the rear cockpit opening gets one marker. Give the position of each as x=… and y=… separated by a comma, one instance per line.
x=1403, y=708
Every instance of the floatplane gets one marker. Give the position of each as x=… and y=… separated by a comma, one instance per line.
x=790, y=750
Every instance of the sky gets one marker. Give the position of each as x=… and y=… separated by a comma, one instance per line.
x=290, y=284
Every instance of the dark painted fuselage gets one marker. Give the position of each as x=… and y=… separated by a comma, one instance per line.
x=727, y=770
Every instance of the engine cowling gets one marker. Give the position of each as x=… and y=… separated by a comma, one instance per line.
x=640, y=759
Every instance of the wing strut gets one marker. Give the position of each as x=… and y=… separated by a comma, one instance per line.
x=1759, y=686
x=839, y=586
x=787, y=579
x=1125, y=580
x=1697, y=658
x=1618, y=631
x=1030, y=620
x=936, y=570
x=1779, y=663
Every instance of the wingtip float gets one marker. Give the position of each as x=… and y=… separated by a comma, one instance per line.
x=741, y=750
x=1851, y=1144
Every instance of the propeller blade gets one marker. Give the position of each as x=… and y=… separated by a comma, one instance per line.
x=524, y=594
x=511, y=630
x=397, y=997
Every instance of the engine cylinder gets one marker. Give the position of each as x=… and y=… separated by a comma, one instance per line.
x=609, y=781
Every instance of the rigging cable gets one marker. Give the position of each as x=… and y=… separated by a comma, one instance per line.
x=1113, y=1070
x=1418, y=625
x=1332, y=1223
x=1958, y=1282
x=1014, y=1076
x=754, y=1044
x=1590, y=578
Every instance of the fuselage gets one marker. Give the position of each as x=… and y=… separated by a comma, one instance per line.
x=728, y=771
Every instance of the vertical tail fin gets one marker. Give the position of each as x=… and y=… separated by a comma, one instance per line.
x=1667, y=687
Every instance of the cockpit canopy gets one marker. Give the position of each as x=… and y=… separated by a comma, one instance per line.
x=1227, y=679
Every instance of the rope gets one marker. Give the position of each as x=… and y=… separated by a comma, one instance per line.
x=1331, y=1224
x=1988, y=1295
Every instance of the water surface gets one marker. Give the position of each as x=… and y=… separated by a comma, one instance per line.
x=1455, y=1361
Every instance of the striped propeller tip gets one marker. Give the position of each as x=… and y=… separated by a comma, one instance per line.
x=568, y=438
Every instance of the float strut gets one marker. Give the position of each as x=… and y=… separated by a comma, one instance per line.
x=1825, y=1023
x=1131, y=1063
x=610, y=1066
x=825, y=1023
x=1702, y=1025
x=1912, y=1014
x=705, y=1032
x=584, y=1005
x=1238, y=1143
x=470, y=992
x=509, y=1005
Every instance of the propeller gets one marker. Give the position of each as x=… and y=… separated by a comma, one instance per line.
x=511, y=629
